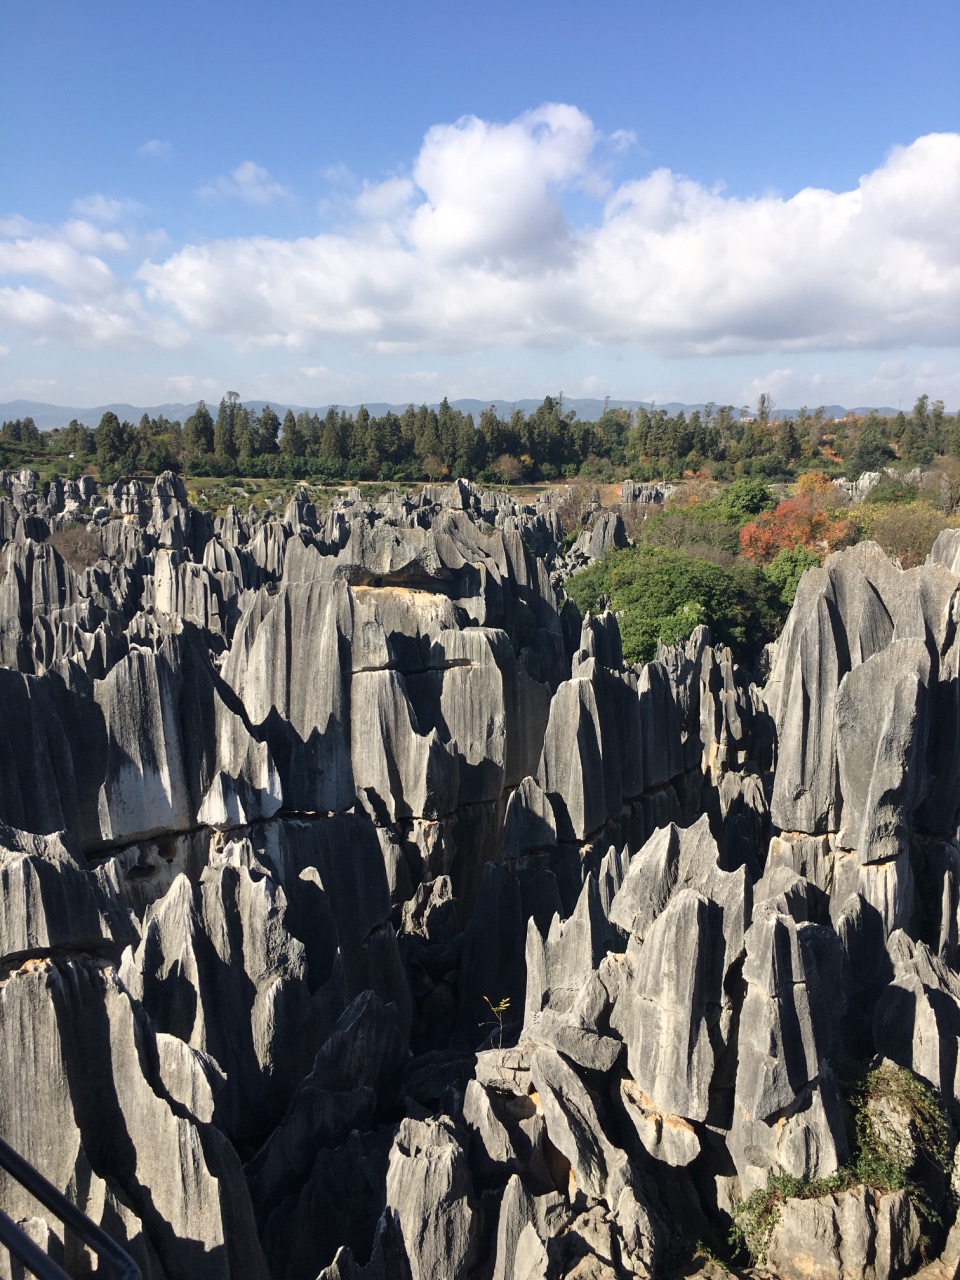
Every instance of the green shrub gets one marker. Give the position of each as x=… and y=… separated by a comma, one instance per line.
x=891, y=491
x=877, y=1164
x=755, y=1218
x=787, y=568
x=709, y=530
x=820, y=462
x=698, y=525
x=906, y=531
x=742, y=500
x=880, y=1164
x=660, y=594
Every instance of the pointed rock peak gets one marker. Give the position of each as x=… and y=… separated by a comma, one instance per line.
x=529, y=822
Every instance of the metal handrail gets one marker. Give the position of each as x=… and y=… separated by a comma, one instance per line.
x=31, y=1255
x=26, y=1251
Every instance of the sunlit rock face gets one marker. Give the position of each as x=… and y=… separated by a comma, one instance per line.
x=365, y=914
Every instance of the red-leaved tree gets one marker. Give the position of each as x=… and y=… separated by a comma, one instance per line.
x=803, y=521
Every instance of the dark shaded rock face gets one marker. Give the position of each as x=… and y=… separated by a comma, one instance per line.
x=364, y=915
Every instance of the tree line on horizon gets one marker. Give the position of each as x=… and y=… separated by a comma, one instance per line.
x=547, y=444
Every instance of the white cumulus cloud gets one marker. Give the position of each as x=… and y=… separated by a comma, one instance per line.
x=384, y=199
x=249, y=182
x=491, y=191
x=57, y=261
x=474, y=250
x=700, y=272
x=104, y=209
x=116, y=323
x=88, y=236
x=56, y=287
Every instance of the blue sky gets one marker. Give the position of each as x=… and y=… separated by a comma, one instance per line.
x=316, y=202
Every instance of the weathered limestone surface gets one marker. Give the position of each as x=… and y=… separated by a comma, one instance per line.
x=846, y=1237
x=219, y=968
x=364, y=914
x=69, y=1026
x=48, y=901
x=429, y=1192
x=881, y=747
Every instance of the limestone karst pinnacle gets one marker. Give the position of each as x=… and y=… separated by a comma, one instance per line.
x=365, y=915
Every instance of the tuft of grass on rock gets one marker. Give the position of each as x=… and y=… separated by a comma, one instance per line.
x=899, y=1126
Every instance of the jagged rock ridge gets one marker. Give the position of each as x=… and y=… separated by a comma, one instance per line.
x=365, y=914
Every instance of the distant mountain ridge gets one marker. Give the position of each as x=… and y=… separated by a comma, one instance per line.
x=49, y=416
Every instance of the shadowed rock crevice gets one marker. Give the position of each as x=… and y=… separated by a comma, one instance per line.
x=364, y=914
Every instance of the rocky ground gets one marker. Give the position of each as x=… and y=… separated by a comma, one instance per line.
x=365, y=915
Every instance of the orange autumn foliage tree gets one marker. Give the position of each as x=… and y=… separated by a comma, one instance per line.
x=803, y=521
x=815, y=482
